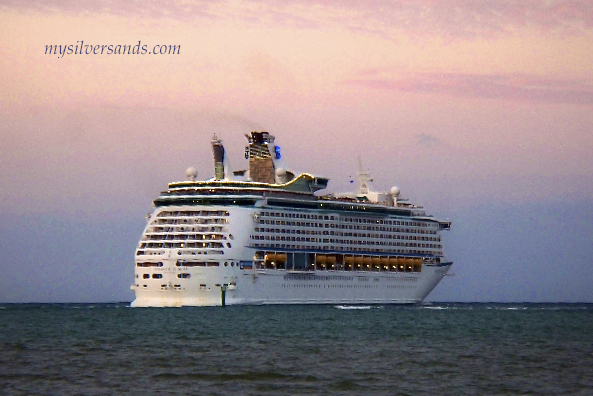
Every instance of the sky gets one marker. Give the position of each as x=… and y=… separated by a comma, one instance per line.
x=481, y=111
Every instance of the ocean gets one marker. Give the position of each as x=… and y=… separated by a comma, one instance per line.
x=433, y=349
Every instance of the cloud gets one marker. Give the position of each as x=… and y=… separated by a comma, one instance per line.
x=385, y=18
x=427, y=140
x=517, y=87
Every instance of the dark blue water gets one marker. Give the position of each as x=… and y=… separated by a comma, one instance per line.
x=441, y=349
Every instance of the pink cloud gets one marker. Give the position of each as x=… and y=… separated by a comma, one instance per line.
x=499, y=86
x=452, y=18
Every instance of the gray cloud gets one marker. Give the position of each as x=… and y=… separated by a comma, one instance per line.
x=427, y=140
x=496, y=86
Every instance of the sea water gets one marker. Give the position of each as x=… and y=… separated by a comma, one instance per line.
x=438, y=349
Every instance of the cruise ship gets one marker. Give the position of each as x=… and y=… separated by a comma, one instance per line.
x=266, y=235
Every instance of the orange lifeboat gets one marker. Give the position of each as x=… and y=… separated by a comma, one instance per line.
x=349, y=260
x=320, y=259
x=281, y=257
x=331, y=260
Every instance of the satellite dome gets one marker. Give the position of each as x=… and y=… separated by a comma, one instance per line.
x=191, y=173
x=395, y=191
x=280, y=172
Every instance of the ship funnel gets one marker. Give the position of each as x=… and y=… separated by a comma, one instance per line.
x=218, y=153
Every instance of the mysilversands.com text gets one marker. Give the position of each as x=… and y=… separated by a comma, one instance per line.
x=80, y=48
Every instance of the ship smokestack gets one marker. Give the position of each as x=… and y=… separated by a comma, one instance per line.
x=218, y=153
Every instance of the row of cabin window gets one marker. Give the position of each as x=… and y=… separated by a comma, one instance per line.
x=343, y=241
x=160, y=276
x=211, y=245
x=193, y=237
x=348, y=219
x=345, y=226
x=350, y=249
x=195, y=213
x=387, y=222
x=190, y=251
x=195, y=229
x=350, y=234
x=190, y=221
x=298, y=215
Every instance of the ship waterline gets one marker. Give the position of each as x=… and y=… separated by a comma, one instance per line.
x=262, y=236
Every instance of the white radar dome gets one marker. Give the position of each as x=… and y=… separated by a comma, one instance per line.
x=280, y=172
x=191, y=173
x=395, y=191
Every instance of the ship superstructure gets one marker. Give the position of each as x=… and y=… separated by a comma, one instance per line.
x=262, y=236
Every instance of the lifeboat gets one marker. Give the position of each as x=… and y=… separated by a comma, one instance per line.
x=401, y=260
x=331, y=260
x=270, y=257
x=320, y=259
x=376, y=260
x=281, y=257
x=349, y=260
x=358, y=260
x=393, y=260
x=384, y=260
x=367, y=261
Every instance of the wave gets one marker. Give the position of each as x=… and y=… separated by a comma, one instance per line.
x=358, y=307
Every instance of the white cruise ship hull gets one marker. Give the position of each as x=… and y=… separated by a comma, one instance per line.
x=288, y=287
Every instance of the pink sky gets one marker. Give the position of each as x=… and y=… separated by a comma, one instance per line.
x=482, y=111
x=470, y=101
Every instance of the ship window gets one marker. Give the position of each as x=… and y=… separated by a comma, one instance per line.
x=145, y=276
x=157, y=276
x=183, y=276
